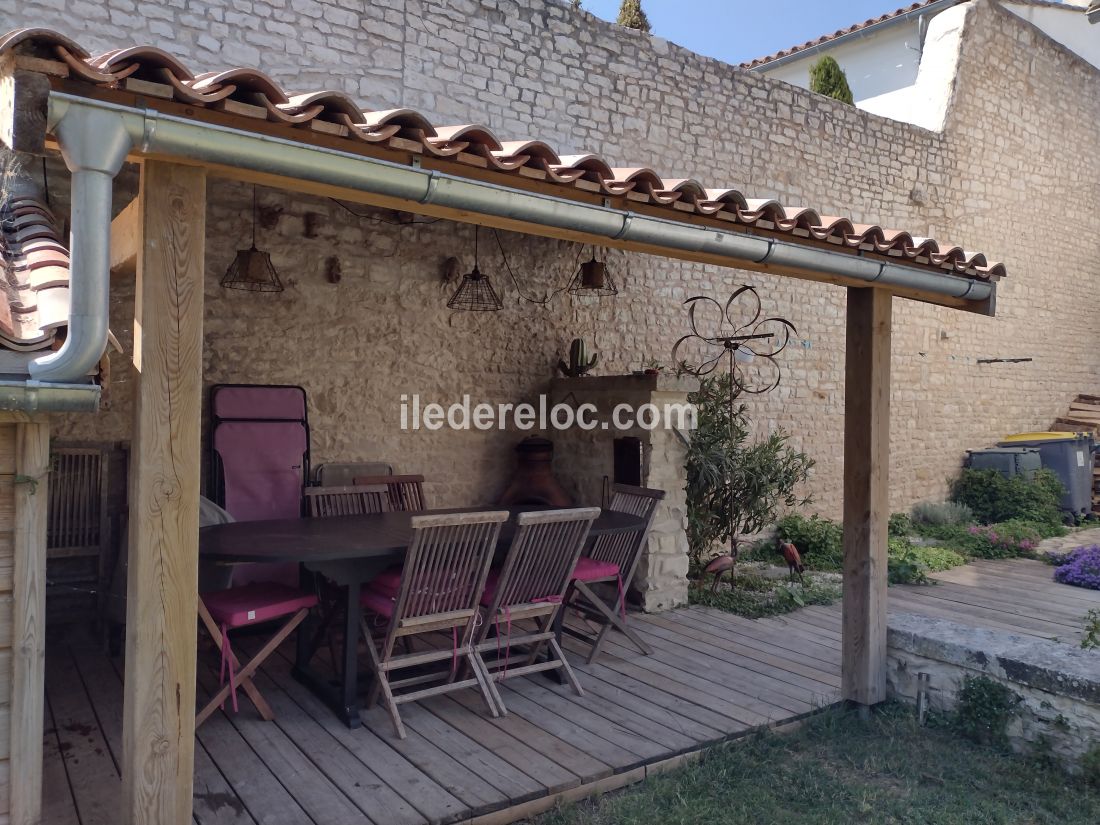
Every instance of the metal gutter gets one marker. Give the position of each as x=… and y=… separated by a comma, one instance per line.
x=858, y=34
x=34, y=396
x=162, y=134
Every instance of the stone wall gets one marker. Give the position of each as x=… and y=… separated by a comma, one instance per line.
x=1058, y=685
x=584, y=458
x=1014, y=173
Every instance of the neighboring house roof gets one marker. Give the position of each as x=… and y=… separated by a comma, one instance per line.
x=854, y=28
x=34, y=264
x=261, y=104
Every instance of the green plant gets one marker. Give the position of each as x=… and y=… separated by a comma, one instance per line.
x=827, y=78
x=755, y=596
x=984, y=709
x=938, y=513
x=735, y=487
x=1006, y=540
x=910, y=564
x=900, y=525
x=1091, y=641
x=632, y=16
x=995, y=498
x=819, y=540
x=1090, y=766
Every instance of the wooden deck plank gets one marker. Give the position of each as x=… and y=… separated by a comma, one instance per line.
x=733, y=672
x=58, y=805
x=93, y=775
x=406, y=780
x=796, y=639
x=649, y=704
x=1014, y=604
x=317, y=796
x=780, y=664
x=550, y=776
x=647, y=738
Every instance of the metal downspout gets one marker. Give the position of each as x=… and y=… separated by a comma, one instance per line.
x=94, y=144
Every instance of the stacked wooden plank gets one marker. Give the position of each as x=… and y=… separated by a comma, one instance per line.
x=1084, y=417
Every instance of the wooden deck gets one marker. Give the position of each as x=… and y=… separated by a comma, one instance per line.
x=712, y=677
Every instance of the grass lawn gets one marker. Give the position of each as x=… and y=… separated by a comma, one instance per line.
x=837, y=770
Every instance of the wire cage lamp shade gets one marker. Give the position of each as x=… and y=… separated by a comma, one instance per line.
x=475, y=294
x=594, y=279
x=252, y=269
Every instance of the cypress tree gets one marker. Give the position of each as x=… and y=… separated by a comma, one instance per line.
x=827, y=78
x=632, y=16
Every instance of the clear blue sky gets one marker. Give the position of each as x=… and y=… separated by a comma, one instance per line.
x=739, y=30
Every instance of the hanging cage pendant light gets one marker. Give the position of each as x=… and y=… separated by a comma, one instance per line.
x=252, y=269
x=593, y=279
x=475, y=293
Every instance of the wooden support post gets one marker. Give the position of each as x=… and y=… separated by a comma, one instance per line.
x=126, y=239
x=866, y=494
x=28, y=663
x=162, y=589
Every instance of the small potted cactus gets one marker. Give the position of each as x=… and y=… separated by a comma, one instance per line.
x=579, y=360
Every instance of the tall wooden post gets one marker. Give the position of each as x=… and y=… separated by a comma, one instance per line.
x=159, y=711
x=28, y=655
x=866, y=494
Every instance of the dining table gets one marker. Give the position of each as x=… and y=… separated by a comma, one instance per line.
x=349, y=552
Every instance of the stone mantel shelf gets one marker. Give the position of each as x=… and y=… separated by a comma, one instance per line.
x=628, y=383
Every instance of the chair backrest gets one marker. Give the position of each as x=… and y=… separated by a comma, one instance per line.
x=624, y=549
x=344, y=473
x=447, y=563
x=355, y=500
x=541, y=558
x=406, y=492
x=77, y=501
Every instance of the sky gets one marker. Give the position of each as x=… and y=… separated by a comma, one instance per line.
x=739, y=30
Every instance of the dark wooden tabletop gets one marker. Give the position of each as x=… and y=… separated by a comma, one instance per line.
x=378, y=535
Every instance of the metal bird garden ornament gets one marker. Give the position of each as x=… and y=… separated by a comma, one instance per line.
x=738, y=335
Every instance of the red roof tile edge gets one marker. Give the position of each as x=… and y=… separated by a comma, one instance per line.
x=34, y=264
x=251, y=93
x=826, y=38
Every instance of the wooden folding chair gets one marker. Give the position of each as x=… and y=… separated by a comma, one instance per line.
x=249, y=604
x=531, y=586
x=353, y=500
x=439, y=591
x=406, y=492
x=612, y=561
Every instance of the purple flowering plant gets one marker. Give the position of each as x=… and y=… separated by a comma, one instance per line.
x=1080, y=568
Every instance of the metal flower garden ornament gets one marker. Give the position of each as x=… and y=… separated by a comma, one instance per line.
x=736, y=337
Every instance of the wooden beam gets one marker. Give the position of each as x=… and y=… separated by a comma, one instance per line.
x=866, y=495
x=125, y=239
x=162, y=588
x=24, y=98
x=29, y=622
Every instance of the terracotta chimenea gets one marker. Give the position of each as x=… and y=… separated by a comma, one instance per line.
x=533, y=481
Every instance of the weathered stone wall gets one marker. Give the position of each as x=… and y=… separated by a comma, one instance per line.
x=1015, y=173
x=1058, y=685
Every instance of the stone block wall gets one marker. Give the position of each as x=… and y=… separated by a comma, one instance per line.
x=1014, y=172
x=1058, y=684
x=584, y=458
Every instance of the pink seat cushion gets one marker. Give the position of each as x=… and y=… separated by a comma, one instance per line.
x=388, y=582
x=490, y=587
x=376, y=602
x=256, y=602
x=589, y=570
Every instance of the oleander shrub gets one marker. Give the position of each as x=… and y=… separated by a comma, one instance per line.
x=1081, y=568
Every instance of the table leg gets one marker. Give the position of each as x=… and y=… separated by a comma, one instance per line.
x=351, y=654
x=343, y=698
x=303, y=650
